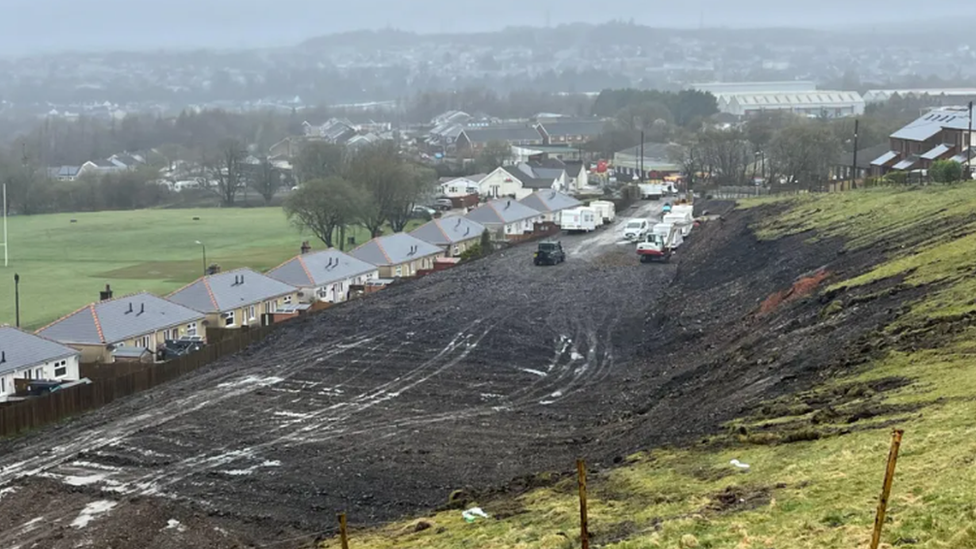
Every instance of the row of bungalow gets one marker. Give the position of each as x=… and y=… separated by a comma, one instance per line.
x=147, y=328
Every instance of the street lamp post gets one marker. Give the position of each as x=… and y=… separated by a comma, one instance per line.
x=17, y=297
x=204, y=246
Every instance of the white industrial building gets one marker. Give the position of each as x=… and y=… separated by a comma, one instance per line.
x=796, y=96
x=829, y=104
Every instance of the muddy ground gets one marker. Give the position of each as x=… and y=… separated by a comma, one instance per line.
x=464, y=379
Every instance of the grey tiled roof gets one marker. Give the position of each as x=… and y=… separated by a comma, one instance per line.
x=508, y=134
x=316, y=269
x=221, y=292
x=21, y=350
x=550, y=201
x=394, y=249
x=936, y=151
x=884, y=158
x=119, y=319
x=502, y=211
x=587, y=128
x=449, y=230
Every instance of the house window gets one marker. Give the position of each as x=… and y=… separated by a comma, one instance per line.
x=398, y=271
x=191, y=329
x=228, y=319
x=39, y=373
x=3, y=385
x=252, y=312
x=61, y=370
x=143, y=342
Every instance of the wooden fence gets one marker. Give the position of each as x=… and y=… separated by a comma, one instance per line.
x=37, y=412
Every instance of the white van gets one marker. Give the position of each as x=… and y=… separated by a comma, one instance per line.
x=636, y=229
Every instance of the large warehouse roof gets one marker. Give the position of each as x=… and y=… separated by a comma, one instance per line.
x=818, y=98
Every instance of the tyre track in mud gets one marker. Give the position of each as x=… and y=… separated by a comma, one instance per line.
x=380, y=407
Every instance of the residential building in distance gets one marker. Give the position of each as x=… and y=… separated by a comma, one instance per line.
x=518, y=182
x=236, y=298
x=399, y=255
x=656, y=163
x=27, y=356
x=327, y=276
x=955, y=95
x=506, y=218
x=456, y=187
x=454, y=234
x=474, y=140
x=550, y=204
x=940, y=134
x=569, y=131
x=124, y=327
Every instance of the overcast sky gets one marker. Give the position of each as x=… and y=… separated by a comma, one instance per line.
x=28, y=26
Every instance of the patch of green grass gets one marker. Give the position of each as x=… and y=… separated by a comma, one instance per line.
x=63, y=265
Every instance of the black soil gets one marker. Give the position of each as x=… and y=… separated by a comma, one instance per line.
x=474, y=379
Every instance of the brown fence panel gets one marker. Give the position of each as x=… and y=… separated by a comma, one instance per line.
x=130, y=379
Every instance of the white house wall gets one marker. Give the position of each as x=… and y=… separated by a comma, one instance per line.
x=501, y=183
x=44, y=370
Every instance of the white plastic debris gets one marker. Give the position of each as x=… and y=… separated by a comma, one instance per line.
x=739, y=464
x=474, y=514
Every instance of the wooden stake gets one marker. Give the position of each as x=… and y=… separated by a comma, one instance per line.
x=886, y=489
x=343, y=537
x=584, y=530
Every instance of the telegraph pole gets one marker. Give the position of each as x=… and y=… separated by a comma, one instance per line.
x=854, y=164
x=969, y=143
x=642, y=157
x=5, y=254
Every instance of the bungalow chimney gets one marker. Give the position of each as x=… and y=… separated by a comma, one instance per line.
x=142, y=308
x=507, y=204
x=3, y=357
x=242, y=279
x=106, y=294
x=130, y=308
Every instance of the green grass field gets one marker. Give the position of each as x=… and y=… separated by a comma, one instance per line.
x=63, y=265
x=814, y=494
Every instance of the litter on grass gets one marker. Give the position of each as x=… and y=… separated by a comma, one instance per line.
x=473, y=514
x=739, y=464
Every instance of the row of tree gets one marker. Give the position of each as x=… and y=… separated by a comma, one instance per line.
x=372, y=187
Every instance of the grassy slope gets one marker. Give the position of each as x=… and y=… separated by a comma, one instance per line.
x=817, y=494
x=63, y=265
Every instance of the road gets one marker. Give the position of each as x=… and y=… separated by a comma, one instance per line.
x=380, y=407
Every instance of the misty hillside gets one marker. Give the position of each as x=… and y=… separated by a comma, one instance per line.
x=55, y=25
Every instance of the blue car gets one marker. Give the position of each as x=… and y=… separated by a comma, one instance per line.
x=667, y=207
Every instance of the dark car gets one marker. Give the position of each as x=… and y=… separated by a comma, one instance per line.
x=550, y=253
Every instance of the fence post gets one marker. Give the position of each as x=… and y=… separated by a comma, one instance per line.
x=584, y=530
x=343, y=536
x=886, y=488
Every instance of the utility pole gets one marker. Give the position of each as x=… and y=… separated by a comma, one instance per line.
x=854, y=164
x=969, y=143
x=642, y=157
x=17, y=297
x=5, y=254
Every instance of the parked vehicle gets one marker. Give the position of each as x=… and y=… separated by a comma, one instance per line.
x=442, y=204
x=423, y=212
x=651, y=192
x=683, y=221
x=581, y=219
x=605, y=210
x=636, y=229
x=666, y=209
x=550, y=252
x=684, y=208
x=659, y=244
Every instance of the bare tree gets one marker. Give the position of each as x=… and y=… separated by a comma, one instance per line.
x=325, y=207
x=689, y=154
x=318, y=160
x=494, y=155
x=266, y=178
x=377, y=169
x=727, y=155
x=226, y=171
x=802, y=154
x=414, y=182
